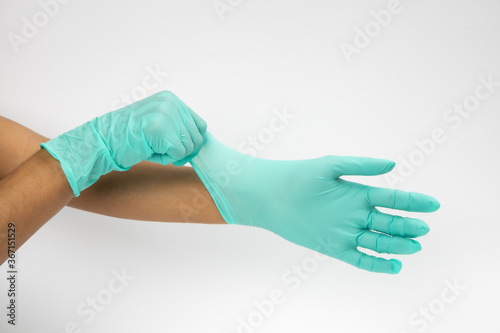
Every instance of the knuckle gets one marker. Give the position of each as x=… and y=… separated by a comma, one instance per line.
x=177, y=151
x=361, y=260
x=187, y=142
x=384, y=244
x=203, y=126
x=369, y=219
x=167, y=106
x=165, y=94
x=331, y=160
x=359, y=238
x=396, y=223
x=406, y=198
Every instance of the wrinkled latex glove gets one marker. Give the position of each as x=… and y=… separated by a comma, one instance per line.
x=308, y=203
x=159, y=128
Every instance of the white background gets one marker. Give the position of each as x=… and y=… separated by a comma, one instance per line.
x=263, y=56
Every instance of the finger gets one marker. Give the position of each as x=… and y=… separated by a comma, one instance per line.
x=397, y=225
x=188, y=158
x=371, y=263
x=174, y=147
x=196, y=136
x=397, y=199
x=162, y=138
x=185, y=138
x=176, y=150
x=382, y=243
x=161, y=159
x=361, y=166
x=200, y=123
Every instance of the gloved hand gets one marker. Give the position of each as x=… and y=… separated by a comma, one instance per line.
x=159, y=128
x=307, y=203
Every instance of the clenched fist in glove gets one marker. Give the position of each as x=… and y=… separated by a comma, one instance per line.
x=159, y=128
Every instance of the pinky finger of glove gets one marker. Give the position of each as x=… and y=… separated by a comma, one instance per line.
x=371, y=263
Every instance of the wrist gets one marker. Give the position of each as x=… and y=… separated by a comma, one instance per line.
x=83, y=156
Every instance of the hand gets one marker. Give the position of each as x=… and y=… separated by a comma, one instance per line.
x=159, y=128
x=307, y=203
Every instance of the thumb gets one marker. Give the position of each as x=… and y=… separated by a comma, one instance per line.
x=358, y=166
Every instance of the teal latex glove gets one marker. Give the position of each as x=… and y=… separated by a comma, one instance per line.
x=307, y=203
x=159, y=128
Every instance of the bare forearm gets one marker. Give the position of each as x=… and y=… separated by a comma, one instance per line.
x=30, y=196
x=151, y=192
x=148, y=191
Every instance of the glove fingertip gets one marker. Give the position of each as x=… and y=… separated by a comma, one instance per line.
x=396, y=266
x=423, y=229
x=434, y=204
x=390, y=165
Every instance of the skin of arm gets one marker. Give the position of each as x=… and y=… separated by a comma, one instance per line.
x=33, y=188
x=29, y=196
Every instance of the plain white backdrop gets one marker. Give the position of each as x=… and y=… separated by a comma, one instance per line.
x=358, y=82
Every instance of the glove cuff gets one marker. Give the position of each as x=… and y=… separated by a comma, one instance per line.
x=214, y=181
x=83, y=156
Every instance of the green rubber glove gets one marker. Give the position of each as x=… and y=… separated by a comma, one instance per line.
x=159, y=128
x=307, y=203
